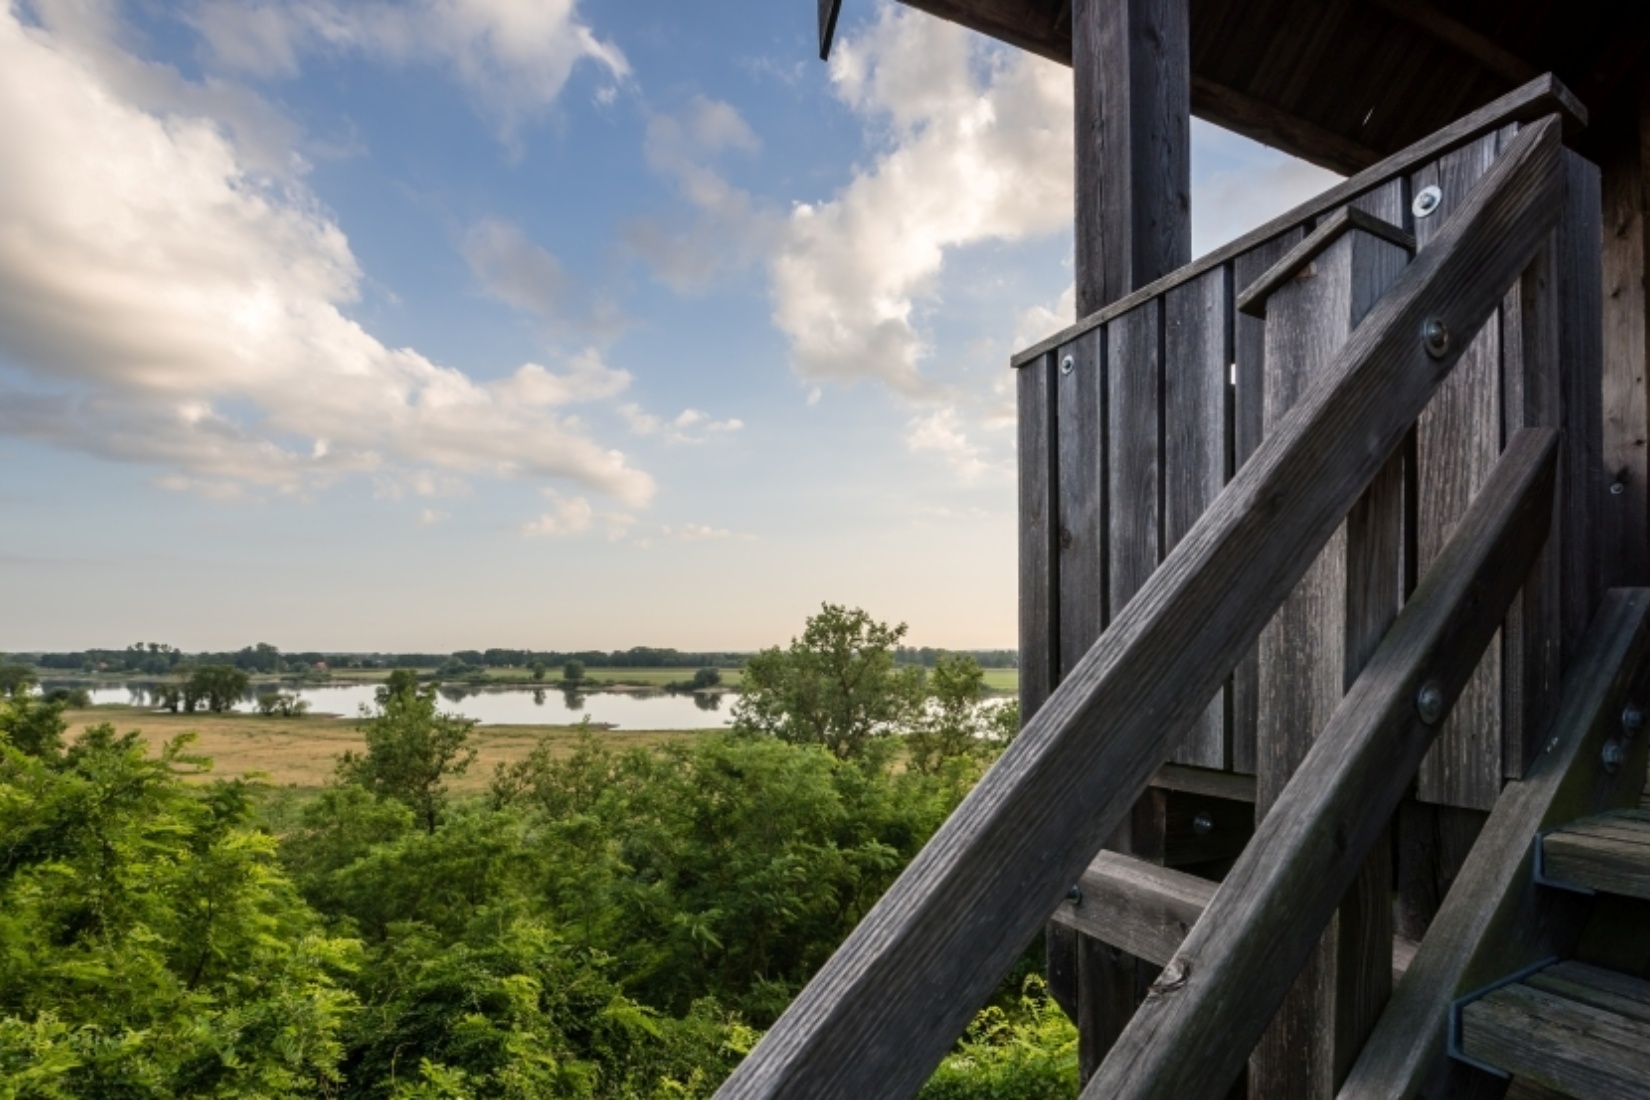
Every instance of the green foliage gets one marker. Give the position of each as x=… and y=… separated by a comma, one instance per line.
x=957, y=721
x=153, y=947
x=411, y=749
x=573, y=671
x=32, y=725
x=706, y=678
x=1028, y=1052
x=16, y=680
x=219, y=687
x=835, y=686
x=281, y=704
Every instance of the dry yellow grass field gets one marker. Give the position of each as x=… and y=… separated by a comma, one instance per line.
x=301, y=751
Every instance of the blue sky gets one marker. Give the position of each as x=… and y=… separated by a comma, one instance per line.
x=456, y=323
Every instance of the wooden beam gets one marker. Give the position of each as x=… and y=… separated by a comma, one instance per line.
x=884, y=1009
x=1218, y=992
x=1537, y=99
x=1568, y=1031
x=828, y=11
x=1609, y=852
x=1252, y=298
x=1253, y=118
x=1485, y=51
x=1033, y=25
x=1496, y=920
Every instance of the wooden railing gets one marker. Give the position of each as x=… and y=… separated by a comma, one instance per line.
x=882, y=1012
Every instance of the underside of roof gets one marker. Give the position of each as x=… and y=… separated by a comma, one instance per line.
x=1343, y=83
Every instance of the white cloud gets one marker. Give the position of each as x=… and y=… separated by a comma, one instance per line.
x=698, y=532
x=573, y=516
x=163, y=301
x=512, y=56
x=515, y=270
x=429, y=517
x=978, y=147
x=1247, y=185
x=690, y=426
x=941, y=432
x=728, y=229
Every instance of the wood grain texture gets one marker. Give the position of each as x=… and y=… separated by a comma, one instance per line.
x=1609, y=853
x=1265, y=922
x=1039, y=573
x=1626, y=234
x=1532, y=637
x=1587, y=540
x=1458, y=438
x=1538, y=99
x=1144, y=909
x=883, y=1010
x=1496, y=921
x=1248, y=429
x=1080, y=428
x=1134, y=441
x=1132, y=76
x=1587, y=1052
x=1197, y=349
x=1215, y=784
x=1319, y=640
x=1252, y=299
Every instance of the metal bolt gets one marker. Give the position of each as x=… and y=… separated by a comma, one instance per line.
x=1066, y=365
x=1203, y=824
x=1429, y=702
x=1075, y=895
x=1613, y=755
x=1435, y=337
x=1632, y=720
x=1426, y=202
x=1617, y=488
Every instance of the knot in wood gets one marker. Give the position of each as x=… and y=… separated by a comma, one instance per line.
x=1174, y=976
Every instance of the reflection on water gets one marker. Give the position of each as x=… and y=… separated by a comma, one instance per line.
x=630, y=710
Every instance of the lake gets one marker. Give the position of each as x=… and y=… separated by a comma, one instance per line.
x=630, y=710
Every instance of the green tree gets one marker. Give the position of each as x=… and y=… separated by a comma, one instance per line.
x=411, y=749
x=955, y=722
x=835, y=686
x=16, y=679
x=539, y=669
x=573, y=671
x=220, y=687
x=32, y=725
x=706, y=678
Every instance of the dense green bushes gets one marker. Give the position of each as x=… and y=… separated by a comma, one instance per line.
x=604, y=924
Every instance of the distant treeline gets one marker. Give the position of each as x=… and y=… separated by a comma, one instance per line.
x=154, y=659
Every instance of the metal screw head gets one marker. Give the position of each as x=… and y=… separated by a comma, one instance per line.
x=1066, y=365
x=1632, y=720
x=1614, y=755
x=1075, y=894
x=1435, y=337
x=1203, y=824
x=1426, y=202
x=1429, y=702
x=1617, y=488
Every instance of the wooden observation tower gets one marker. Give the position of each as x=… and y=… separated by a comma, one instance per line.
x=1334, y=583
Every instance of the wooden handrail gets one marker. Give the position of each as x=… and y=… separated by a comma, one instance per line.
x=1542, y=96
x=1230, y=975
x=883, y=1010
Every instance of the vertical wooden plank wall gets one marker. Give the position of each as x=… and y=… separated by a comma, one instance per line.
x=1309, y=654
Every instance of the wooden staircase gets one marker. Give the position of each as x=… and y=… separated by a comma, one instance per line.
x=1572, y=1029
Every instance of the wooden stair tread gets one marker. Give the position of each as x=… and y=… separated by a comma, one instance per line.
x=1574, y=1028
x=1609, y=853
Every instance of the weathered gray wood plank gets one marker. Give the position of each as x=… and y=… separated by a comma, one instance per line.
x=883, y=1010
x=1584, y=1051
x=1248, y=429
x=1039, y=584
x=1586, y=539
x=1496, y=921
x=1595, y=986
x=1134, y=418
x=1144, y=909
x=1215, y=784
x=1080, y=429
x=1197, y=349
x=1609, y=854
x=1458, y=438
x=1264, y=924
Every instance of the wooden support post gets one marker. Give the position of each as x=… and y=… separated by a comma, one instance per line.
x=1131, y=66
x=1625, y=169
x=1312, y=652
